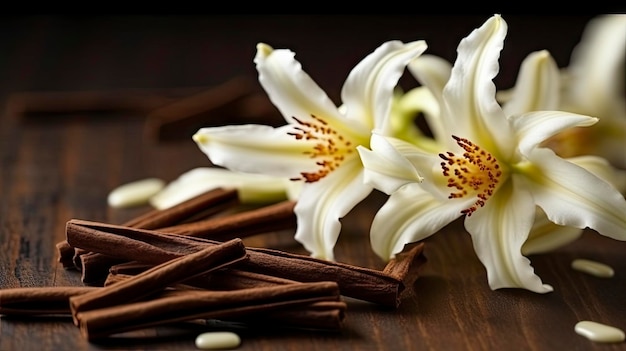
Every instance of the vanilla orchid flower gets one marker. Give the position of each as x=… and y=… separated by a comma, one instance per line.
x=252, y=189
x=593, y=84
x=318, y=144
x=490, y=169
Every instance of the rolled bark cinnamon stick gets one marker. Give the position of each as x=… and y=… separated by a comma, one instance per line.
x=39, y=300
x=224, y=279
x=155, y=247
x=274, y=217
x=188, y=305
x=199, y=206
x=161, y=276
x=328, y=315
x=66, y=254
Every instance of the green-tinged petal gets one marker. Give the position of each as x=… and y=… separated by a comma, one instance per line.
x=432, y=72
x=602, y=168
x=256, y=149
x=532, y=128
x=385, y=167
x=537, y=87
x=251, y=188
x=570, y=195
x=546, y=236
x=498, y=232
x=596, y=67
x=417, y=101
x=471, y=110
x=322, y=204
x=293, y=91
x=409, y=215
x=368, y=90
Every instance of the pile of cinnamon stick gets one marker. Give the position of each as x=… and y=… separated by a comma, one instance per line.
x=185, y=264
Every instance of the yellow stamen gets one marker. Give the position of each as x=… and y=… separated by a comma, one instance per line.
x=329, y=150
x=476, y=174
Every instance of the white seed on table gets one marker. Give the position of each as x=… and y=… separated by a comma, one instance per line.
x=217, y=340
x=599, y=332
x=135, y=193
x=592, y=267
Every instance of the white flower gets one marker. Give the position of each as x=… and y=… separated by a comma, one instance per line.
x=318, y=144
x=490, y=169
x=593, y=84
x=251, y=188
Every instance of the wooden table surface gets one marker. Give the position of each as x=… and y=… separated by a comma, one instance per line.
x=58, y=167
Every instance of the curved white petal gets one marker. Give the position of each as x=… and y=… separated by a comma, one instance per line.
x=256, y=149
x=573, y=196
x=409, y=215
x=498, y=231
x=385, y=167
x=532, y=128
x=597, y=65
x=251, y=188
x=368, y=90
x=602, y=168
x=408, y=107
x=546, y=236
x=537, y=86
x=432, y=72
x=471, y=110
x=292, y=90
x=323, y=203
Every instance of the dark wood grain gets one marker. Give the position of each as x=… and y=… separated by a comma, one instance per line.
x=59, y=167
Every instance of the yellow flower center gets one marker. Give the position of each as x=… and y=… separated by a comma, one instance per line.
x=328, y=151
x=476, y=173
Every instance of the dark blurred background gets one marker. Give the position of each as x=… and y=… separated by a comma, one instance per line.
x=87, y=52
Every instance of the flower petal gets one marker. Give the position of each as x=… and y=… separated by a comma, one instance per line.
x=532, y=128
x=323, y=203
x=409, y=215
x=368, y=90
x=385, y=167
x=596, y=67
x=499, y=229
x=406, y=108
x=291, y=90
x=602, y=168
x=570, y=195
x=546, y=236
x=432, y=72
x=251, y=188
x=256, y=149
x=537, y=87
x=471, y=110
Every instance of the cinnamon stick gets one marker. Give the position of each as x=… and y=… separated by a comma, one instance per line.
x=199, y=206
x=187, y=305
x=274, y=217
x=159, y=277
x=66, y=254
x=328, y=315
x=39, y=300
x=155, y=247
x=230, y=279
